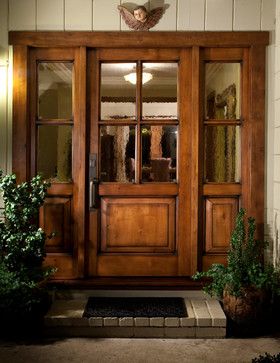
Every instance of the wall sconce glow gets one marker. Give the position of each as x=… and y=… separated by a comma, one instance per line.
x=131, y=77
x=3, y=80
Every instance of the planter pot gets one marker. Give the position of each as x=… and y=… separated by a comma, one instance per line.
x=248, y=314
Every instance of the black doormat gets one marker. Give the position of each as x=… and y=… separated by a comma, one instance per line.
x=135, y=307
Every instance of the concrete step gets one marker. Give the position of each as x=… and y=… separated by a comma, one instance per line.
x=205, y=319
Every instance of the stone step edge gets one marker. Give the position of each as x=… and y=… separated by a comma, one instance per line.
x=201, y=313
x=130, y=322
x=136, y=332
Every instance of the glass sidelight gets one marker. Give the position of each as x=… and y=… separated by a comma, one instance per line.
x=54, y=120
x=222, y=90
x=222, y=108
x=54, y=155
x=55, y=90
x=222, y=154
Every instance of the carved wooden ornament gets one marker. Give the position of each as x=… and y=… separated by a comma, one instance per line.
x=148, y=21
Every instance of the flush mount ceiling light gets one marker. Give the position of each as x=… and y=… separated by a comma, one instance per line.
x=131, y=77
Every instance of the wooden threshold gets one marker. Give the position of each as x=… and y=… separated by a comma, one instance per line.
x=148, y=283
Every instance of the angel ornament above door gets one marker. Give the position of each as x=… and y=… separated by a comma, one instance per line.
x=141, y=18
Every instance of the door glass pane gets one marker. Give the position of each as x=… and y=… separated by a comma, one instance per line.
x=222, y=90
x=118, y=91
x=55, y=90
x=159, y=151
x=117, y=154
x=54, y=153
x=222, y=154
x=159, y=90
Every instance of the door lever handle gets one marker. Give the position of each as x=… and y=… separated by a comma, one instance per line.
x=93, y=184
x=93, y=181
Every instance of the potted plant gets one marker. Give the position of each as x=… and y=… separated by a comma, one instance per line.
x=23, y=296
x=246, y=286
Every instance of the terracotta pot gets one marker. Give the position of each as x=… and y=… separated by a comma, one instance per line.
x=250, y=309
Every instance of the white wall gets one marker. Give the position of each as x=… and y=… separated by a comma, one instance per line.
x=203, y=15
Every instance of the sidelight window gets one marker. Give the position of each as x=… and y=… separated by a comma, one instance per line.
x=222, y=122
x=54, y=120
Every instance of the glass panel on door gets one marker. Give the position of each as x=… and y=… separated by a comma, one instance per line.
x=117, y=154
x=159, y=90
x=55, y=90
x=159, y=150
x=118, y=91
x=144, y=147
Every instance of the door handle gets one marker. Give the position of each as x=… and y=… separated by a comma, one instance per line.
x=93, y=181
x=93, y=193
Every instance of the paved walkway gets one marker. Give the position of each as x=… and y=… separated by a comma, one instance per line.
x=90, y=350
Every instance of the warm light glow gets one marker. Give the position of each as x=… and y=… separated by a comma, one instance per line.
x=131, y=77
x=3, y=81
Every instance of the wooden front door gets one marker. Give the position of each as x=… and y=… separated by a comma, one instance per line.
x=152, y=141
x=140, y=163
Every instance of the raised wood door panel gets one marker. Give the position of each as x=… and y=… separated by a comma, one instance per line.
x=219, y=223
x=125, y=265
x=138, y=225
x=219, y=219
x=140, y=228
x=55, y=219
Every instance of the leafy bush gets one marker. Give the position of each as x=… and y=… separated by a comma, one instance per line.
x=244, y=264
x=22, y=245
x=267, y=358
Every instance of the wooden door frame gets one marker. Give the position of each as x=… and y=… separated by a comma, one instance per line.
x=252, y=188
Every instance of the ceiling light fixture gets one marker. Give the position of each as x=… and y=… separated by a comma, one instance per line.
x=131, y=77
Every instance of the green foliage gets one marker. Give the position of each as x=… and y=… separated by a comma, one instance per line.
x=22, y=244
x=267, y=358
x=244, y=264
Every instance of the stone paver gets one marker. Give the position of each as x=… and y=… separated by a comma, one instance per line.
x=157, y=322
x=190, y=320
x=127, y=321
x=111, y=321
x=217, y=314
x=95, y=321
x=142, y=321
x=207, y=332
x=171, y=322
x=201, y=312
x=188, y=332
